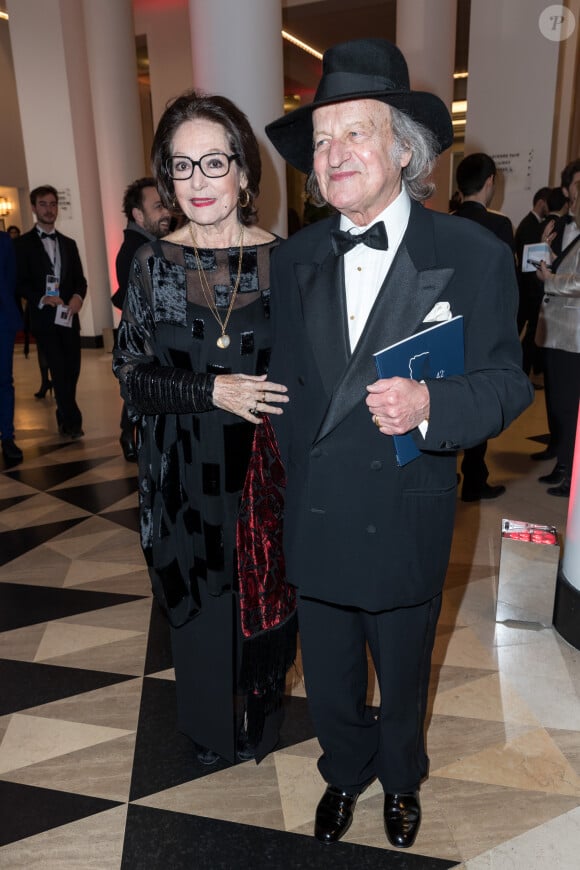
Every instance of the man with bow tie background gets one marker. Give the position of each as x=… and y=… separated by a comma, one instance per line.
x=367, y=542
x=50, y=277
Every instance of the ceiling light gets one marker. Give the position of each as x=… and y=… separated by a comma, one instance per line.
x=303, y=45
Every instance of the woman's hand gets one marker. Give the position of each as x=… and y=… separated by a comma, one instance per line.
x=248, y=396
x=543, y=272
x=549, y=235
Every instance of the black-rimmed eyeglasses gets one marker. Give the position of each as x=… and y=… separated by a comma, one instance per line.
x=213, y=165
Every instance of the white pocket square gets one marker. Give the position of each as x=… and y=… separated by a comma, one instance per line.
x=440, y=311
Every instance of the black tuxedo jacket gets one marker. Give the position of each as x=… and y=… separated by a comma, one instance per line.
x=529, y=232
x=132, y=241
x=358, y=529
x=499, y=224
x=33, y=265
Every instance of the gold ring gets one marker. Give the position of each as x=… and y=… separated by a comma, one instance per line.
x=376, y=421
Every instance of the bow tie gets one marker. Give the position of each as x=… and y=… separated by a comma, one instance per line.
x=375, y=237
x=48, y=236
x=568, y=219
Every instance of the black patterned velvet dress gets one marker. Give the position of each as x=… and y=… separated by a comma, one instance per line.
x=193, y=460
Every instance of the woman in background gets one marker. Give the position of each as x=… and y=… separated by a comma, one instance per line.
x=558, y=333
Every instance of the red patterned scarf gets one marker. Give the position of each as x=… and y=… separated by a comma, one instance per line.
x=267, y=601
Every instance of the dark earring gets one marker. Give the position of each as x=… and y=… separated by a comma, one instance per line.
x=246, y=202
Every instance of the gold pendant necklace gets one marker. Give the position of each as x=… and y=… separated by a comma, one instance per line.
x=224, y=340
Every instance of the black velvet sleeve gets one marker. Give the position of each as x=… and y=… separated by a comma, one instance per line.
x=148, y=385
x=154, y=389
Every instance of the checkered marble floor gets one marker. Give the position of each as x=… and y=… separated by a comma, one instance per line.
x=92, y=771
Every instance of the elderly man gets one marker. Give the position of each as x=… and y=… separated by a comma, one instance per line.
x=367, y=542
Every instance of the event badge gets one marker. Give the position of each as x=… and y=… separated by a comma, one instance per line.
x=52, y=285
x=63, y=316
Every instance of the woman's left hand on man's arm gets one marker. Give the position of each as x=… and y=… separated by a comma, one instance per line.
x=248, y=396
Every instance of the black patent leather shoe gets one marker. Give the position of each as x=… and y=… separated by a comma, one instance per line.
x=334, y=814
x=128, y=448
x=562, y=490
x=555, y=476
x=485, y=491
x=11, y=452
x=402, y=815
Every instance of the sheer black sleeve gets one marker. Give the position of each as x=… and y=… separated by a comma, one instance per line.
x=147, y=386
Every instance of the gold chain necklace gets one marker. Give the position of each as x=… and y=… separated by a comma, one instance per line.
x=224, y=340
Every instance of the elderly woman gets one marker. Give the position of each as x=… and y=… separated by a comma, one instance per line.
x=558, y=333
x=192, y=357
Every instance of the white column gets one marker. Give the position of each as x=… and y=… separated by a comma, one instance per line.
x=510, y=100
x=426, y=36
x=112, y=65
x=166, y=29
x=55, y=110
x=75, y=72
x=237, y=52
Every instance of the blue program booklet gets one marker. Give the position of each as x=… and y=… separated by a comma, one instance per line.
x=436, y=352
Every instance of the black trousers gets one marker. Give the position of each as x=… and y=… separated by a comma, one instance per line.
x=62, y=350
x=562, y=392
x=357, y=743
x=474, y=467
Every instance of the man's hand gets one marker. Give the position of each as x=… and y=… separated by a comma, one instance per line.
x=398, y=405
x=53, y=301
x=76, y=303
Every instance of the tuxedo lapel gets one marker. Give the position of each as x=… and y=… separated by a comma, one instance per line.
x=63, y=250
x=403, y=303
x=321, y=288
x=40, y=252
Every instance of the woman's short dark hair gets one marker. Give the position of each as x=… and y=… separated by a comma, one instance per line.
x=241, y=140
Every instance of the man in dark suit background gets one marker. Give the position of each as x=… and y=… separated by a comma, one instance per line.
x=367, y=542
x=147, y=219
x=50, y=277
x=475, y=177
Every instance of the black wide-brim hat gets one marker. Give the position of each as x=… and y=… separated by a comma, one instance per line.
x=358, y=70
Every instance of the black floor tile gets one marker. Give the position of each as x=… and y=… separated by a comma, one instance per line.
x=30, y=684
x=28, y=810
x=157, y=838
x=6, y=503
x=54, y=474
x=99, y=496
x=22, y=605
x=128, y=518
x=164, y=758
x=19, y=541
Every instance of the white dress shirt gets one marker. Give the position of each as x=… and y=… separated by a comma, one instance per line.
x=52, y=249
x=571, y=230
x=365, y=268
